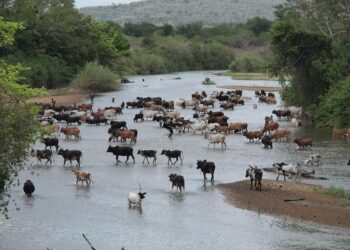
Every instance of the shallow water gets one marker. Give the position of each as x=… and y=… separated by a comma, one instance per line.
x=59, y=211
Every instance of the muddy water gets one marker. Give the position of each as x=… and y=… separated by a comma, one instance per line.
x=199, y=218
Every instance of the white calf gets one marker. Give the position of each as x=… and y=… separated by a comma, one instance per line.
x=313, y=160
x=217, y=138
x=136, y=199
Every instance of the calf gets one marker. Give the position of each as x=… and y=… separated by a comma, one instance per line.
x=206, y=168
x=82, y=176
x=267, y=142
x=70, y=155
x=148, y=154
x=136, y=199
x=173, y=154
x=178, y=181
x=121, y=151
x=51, y=142
x=28, y=188
x=255, y=175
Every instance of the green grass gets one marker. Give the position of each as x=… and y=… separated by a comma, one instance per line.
x=339, y=192
x=248, y=76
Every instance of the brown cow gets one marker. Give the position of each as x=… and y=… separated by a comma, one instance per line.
x=98, y=115
x=74, y=131
x=208, y=103
x=270, y=100
x=282, y=113
x=126, y=134
x=221, y=129
x=118, y=110
x=303, y=142
x=83, y=176
x=227, y=105
x=238, y=127
x=219, y=119
x=85, y=107
x=338, y=133
x=251, y=135
x=281, y=133
x=270, y=126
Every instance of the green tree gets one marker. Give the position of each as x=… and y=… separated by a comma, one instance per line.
x=190, y=30
x=18, y=119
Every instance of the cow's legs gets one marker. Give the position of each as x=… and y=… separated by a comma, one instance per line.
x=154, y=160
x=147, y=160
x=78, y=160
x=132, y=156
x=64, y=162
x=204, y=175
x=212, y=177
x=127, y=158
x=176, y=160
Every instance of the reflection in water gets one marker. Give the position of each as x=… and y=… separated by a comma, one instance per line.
x=82, y=191
x=136, y=209
x=177, y=196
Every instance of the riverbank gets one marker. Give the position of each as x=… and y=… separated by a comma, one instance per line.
x=251, y=88
x=63, y=96
x=315, y=204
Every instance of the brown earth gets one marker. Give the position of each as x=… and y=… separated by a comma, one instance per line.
x=62, y=96
x=318, y=205
x=252, y=88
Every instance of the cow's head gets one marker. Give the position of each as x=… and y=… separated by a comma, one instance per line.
x=109, y=149
x=200, y=164
x=172, y=177
x=164, y=152
x=60, y=152
x=142, y=195
x=139, y=152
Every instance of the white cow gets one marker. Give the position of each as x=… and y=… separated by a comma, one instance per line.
x=313, y=160
x=149, y=114
x=135, y=199
x=198, y=127
x=216, y=139
x=290, y=169
x=211, y=126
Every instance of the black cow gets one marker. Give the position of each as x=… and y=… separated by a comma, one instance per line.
x=51, y=142
x=206, y=168
x=70, y=120
x=173, y=154
x=271, y=95
x=60, y=117
x=43, y=154
x=28, y=188
x=148, y=153
x=138, y=116
x=223, y=98
x=116, y=124
x=178, y=181
x=267, y=142
x=121, y=151
x=70, y=155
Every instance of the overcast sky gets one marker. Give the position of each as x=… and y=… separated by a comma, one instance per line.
x=84, y=3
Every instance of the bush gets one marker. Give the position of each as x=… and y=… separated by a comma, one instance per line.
x=97, y=78
x=339, y=192
x=247, y=63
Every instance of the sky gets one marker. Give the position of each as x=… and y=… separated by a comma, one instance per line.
x=85, y=3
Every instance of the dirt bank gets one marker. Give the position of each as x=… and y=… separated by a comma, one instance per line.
x=318, y=206
x=252, y=88
x=62, y=96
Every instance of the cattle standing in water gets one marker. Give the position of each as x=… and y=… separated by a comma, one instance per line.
x=70, y=155
x=82, y=176
x=138, y=117
x=42, y=154
x=51, y=142
x=173, y=154
x=136, y=199
x=291, y=169
x=255, y=175
x=267, y=142
x=28, y=188
x=121, y=151
x=305, y=142
x=206, y=168
x=215, y=139
x=178, y=181
x=148, y=154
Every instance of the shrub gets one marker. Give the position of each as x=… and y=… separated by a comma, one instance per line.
x=97, y=78
x=339, y=192
x=247, y=63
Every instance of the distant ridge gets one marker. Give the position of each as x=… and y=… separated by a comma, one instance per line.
x=178, y=12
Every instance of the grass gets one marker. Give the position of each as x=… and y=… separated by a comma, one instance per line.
x=339, y=192
x=248, y=76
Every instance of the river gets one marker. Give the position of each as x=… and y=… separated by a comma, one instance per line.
x=200, y=218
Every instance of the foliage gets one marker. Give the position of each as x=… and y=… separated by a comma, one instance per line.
x=310, y=43
x=339, y=192
x=18, y=120
x=190, y=30
x=139, y=29
x=55, y=33
x=248, y=63
x=97, y=78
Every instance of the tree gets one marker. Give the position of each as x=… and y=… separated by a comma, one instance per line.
x=18, y=119
x=190, y=30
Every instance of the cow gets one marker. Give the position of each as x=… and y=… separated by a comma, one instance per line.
x=173, y=154
x=282, y=113
x=227, y=105
x=51, y=142
x=178, y=181
x=251, y=135
x=138, y=116
x=42, y=154
x=121, y=151
x=116, y=125
x=206, y=168
x=270, y=126
x=291, y=169
x=85, y=106
x=136, y=198
x=70, y=155
x=303, y=142
x=255, y=175
x=28, y=188
x=82, y=176
x=281, y=133
x=216, y=139
x=148, y=154
x=266, y=141
x=69, y=120
x=74, y=131
x=313, y=160
x=237, y=127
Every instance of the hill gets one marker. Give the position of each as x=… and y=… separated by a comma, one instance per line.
x=178, y=12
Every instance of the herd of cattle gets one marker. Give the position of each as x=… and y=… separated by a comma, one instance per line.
x=213, y=125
